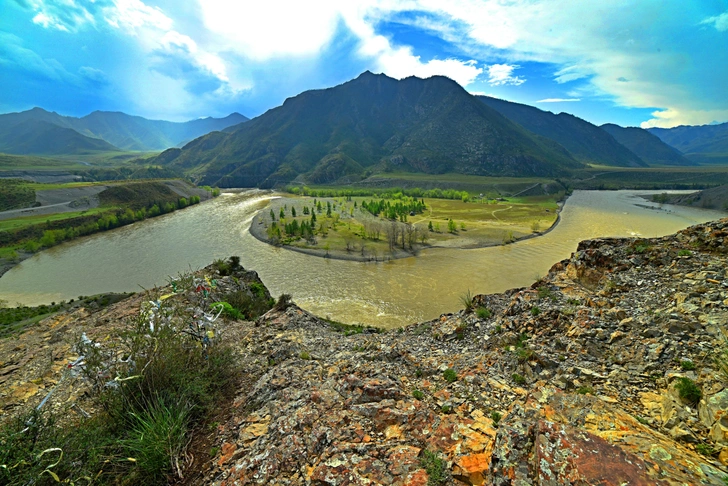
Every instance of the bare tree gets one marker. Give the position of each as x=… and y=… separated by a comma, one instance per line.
x=411, y=233
x=392, y=235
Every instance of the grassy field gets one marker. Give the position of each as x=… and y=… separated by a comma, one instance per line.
x=650, y=178
x=22, y=222
x=70, y=162
x=488, y=186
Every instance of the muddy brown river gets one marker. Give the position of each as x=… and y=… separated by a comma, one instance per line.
x=384, y=294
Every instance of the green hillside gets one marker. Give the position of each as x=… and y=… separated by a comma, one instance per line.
x=646, y=145
x=586, y=142
x=371, y=124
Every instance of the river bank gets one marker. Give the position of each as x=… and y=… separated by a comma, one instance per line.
x=404, y=290
x=259, y=229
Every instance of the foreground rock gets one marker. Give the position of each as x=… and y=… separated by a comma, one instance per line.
x=571, y=381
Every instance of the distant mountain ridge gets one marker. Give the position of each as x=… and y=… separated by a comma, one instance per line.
x=586, y=142
x=117, y=130
x=372, y=123
x=646, y=146
x=704, y=143
x=40, y=137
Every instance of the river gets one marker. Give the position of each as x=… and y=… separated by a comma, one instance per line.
x=389, y=294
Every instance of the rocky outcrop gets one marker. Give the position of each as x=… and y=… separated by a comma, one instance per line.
x=571, y=381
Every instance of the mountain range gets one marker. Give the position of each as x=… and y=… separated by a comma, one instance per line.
x=373, y=123
x=369, y=125
x=41, y=132
x=586, y=142
x=646, y=146
x=704, y=144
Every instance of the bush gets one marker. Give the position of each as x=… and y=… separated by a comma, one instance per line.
x=688, y=390
x=518, y=379
x=435, y=466
x=687, y=365
x=467, y=300
x=495, y=417
x=483, y=313
x=418, y=394
x=167, y=384
x=248, y=307
x=450, y=375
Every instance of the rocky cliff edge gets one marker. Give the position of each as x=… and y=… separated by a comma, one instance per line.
x=574, y=380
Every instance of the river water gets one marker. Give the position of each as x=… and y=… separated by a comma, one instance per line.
x=384, y=294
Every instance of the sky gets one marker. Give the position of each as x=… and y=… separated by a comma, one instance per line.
x=632, y=62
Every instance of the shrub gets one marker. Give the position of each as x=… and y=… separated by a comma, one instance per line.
x=518, y=379
x=687, y=365
x=435, y=467
x=483, y=313
x=418, y=394
x=284, y=301
x=688, y=390
x=467, y=300
x=167, y=384
x=247, y=306
x=495, y=417
x=450, y=375
x=684, y=253
x=535, y=310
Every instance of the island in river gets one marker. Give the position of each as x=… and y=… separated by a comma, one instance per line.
x=387, y=228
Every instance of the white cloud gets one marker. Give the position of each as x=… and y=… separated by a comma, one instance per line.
x=720, y=22
x=673, y=117
x=261, y=30
x=637, y=54
x=133, y=14
x=558, y=100
x=502, y=74
x=47, y=21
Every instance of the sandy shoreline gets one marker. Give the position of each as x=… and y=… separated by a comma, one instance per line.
x=258, y=231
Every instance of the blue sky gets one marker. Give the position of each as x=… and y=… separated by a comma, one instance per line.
x=631, y=62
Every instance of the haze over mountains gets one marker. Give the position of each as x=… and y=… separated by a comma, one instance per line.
x=38, y=131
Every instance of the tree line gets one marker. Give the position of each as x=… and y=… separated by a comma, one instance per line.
x=393, y=193
x=397, y=210
x=51, y=233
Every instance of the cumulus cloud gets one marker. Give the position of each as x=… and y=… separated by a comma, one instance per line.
x=558, y=100
x=133, y=14
x=675, y=117
x=656, y=49
x=66, y=16
x=262, y=31
x=720, y=22
x=502, y=74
